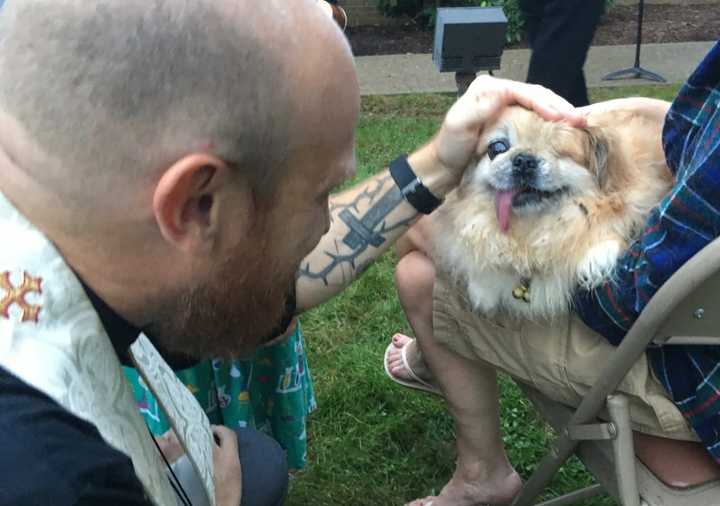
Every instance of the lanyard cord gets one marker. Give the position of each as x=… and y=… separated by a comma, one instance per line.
x=174, y=482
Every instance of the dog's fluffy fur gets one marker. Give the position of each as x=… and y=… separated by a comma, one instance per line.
x=598, y=185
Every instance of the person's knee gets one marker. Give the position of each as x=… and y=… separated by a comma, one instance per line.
x=264, y=469
x=414, y=277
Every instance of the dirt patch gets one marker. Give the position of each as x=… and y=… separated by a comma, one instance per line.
x=661, y=23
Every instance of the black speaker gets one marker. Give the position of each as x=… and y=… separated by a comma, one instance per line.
x=469, y=39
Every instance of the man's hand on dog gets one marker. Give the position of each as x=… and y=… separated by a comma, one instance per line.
x=456, y=142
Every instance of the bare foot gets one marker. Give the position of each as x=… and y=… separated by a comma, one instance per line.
x=395, y=362
x=496, y=491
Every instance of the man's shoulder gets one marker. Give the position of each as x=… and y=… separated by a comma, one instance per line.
x=50, y=456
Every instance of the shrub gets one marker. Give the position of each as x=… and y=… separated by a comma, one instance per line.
x=425, y=11
x=399, y=7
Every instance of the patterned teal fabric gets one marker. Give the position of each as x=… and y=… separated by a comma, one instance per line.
x=273, y=392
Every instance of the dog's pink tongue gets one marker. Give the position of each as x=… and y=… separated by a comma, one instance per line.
x=503, y=203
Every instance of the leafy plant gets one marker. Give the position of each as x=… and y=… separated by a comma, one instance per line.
x=400, y=7
x=425, y=12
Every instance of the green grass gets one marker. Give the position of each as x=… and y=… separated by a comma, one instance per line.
x=372, y=442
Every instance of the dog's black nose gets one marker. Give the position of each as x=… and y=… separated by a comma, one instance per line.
x=524, y=165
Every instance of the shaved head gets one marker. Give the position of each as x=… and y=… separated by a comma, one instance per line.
x=109, y=92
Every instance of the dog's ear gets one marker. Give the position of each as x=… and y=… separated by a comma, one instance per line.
x=599, y=153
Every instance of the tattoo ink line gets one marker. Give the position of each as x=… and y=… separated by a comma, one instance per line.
x=362, y=231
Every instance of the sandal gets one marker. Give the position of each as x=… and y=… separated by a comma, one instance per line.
x=416, y=382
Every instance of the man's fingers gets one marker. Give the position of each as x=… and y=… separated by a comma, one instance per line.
x=536, y=95
x=225, y=439
x=223, y=434
x=484, y=100
x=492, y=94
x=546, y=103
x=228, y=471
x=170, y=446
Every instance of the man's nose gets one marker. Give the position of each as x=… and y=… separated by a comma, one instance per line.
x=524, y=165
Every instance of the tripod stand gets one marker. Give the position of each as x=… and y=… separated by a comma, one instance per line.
x=636, y=71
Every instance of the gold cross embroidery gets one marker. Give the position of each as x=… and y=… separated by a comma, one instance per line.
x=16, y=296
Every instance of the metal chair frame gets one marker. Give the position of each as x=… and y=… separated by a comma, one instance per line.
x=683, y=311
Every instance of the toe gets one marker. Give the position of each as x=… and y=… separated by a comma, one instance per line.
x=396, y=363
x=399, y=340
x=396, y=369
x=394, y=356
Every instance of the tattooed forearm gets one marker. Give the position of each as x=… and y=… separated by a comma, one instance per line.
x=368, y=194
x=364, y=222
x=368, y=230
x=363, y=229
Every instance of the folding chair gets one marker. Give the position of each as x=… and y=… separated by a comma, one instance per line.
x=685, y=310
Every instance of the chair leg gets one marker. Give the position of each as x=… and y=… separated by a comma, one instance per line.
x=624, y=451
x=574, y=497
x=562, y=448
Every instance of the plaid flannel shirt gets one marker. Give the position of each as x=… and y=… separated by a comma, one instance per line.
x=686, y=220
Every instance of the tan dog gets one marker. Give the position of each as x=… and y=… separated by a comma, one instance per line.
x=548, y=207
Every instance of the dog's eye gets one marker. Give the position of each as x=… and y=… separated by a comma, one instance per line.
x=496, y=147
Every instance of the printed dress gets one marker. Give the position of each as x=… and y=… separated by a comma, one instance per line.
x=273, y=393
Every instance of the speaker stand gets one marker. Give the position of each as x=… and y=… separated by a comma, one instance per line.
x=636, y=71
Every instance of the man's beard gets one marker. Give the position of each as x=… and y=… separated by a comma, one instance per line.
x=229, y=317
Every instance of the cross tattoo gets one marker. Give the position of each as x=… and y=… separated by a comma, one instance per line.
x=367, y=230
x=362, y=231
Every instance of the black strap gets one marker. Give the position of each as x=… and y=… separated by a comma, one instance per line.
x=411, y=187
x=174, y=482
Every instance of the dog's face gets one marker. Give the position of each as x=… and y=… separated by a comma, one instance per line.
x=550, y=205
x=530, y=166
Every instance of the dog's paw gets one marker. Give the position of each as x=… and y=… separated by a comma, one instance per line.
x=598, y=264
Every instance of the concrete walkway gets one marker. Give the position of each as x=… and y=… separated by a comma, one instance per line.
x=416, y=73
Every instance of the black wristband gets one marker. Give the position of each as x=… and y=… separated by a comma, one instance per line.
x=411, y=187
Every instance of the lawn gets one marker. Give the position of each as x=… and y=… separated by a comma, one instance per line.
x=371, y=441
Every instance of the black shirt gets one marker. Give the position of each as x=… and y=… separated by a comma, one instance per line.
x=48, y=456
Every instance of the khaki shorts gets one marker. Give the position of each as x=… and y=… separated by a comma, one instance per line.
x=562, y=359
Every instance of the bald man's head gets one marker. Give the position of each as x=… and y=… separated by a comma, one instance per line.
x=146, y=138
x=110, y=92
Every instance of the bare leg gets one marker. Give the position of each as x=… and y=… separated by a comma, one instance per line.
x=690, y=463
x=414, y=279
x=483, y=474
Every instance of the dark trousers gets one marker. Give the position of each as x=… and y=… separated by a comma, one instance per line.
x=264, y=472
x=560, y=33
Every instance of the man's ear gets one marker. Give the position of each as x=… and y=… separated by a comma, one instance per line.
x=185, y=201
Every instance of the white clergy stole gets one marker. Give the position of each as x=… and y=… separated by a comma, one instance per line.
x=52, y=339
